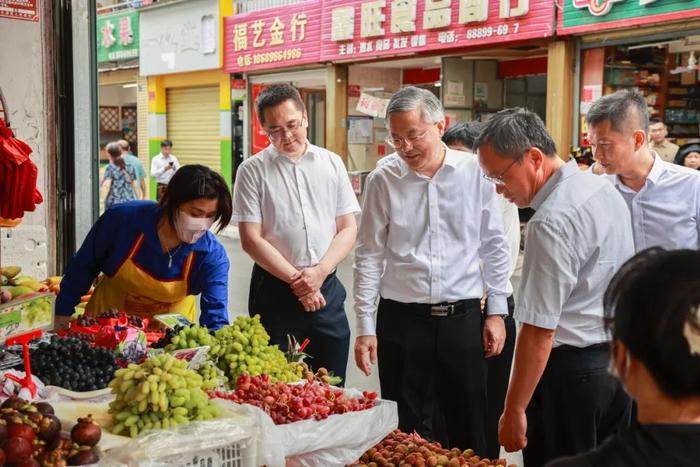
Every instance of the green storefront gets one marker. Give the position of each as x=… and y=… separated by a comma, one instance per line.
x=118, y=37
x=651, y=45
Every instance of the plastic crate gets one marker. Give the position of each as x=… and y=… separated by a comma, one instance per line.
x=239, y=454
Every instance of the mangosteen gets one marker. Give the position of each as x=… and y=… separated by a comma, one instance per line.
x=85, y=456
x=45, y=408
x=49, y=427
x=86, y=432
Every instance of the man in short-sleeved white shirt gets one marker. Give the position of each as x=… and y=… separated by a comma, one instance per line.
x=663, y=198
x=561, y=400
x=295, y=209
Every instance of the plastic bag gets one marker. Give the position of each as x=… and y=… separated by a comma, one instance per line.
x=12, y=388
x=338, y=440
x=212, y=441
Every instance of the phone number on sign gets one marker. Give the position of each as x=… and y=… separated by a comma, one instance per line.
x=269, y=57
x=490, y=31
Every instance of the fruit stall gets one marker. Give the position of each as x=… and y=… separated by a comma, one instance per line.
x=116, y=389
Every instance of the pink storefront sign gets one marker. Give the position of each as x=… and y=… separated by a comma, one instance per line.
x=273, y=38
x=363, y=30
x=26, y=10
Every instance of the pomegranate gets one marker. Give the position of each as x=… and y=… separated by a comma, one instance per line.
x=87, y=432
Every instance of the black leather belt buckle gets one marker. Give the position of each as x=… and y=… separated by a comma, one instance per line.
x=442, y=310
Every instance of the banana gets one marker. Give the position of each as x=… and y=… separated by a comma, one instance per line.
x=10, y=272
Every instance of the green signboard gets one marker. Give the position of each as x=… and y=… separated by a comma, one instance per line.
x=592, y=15
x=118, y=37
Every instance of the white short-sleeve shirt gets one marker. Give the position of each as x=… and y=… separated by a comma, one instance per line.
x=666, y=211
x=296, y=202
x=579, y=237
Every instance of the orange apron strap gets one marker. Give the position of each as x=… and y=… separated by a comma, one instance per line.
x=137, y=245
x=188, y=265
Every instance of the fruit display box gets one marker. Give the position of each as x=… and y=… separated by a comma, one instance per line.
x=337, y=440
x=229, y=441
x=27, y=313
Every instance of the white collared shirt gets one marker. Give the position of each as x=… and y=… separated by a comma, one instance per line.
x=509, y=213
x=158, y=166
x=296, y=202
x=579, y=236
x=421, y=239
x=666, y=211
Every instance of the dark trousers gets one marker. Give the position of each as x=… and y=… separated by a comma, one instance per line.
x=497, y=378
x=425, y=358
x=160, y=190
x=281, y=313
x=577, y=404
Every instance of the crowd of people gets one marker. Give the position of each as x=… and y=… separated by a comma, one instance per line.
x=610, y=272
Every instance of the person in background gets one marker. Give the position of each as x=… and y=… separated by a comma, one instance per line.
x=658, y=142
x=689, y=156
x=295, y=210
x=560, y=400
x=119, y=180
x=663, y=198
x=157, y=257
x=653, y=308
x=429, y=222
x=461, y=137
x=138, y=167
x=163, y=167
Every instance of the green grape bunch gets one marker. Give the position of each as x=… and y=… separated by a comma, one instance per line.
x=194, y=336
x=158, y=394
x=212, y=376
x=245, y=349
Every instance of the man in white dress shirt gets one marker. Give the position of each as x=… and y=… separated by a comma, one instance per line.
x=429, y=220
x=461, y=137
x=295, y=210
x=163, y=167
x=663, y=198
x=561, y=399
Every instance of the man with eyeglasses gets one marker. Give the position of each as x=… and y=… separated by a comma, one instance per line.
x=561, y=400
x=295, y=210
x=429, y=221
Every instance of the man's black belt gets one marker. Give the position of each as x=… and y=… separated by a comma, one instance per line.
x=439, y=310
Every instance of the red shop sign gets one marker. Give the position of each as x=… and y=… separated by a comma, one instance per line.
x=19, y=9
x=362, y=29
x=273, y=38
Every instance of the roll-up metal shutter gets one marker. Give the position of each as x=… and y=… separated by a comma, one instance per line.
x=142, y=121
x=193, y=125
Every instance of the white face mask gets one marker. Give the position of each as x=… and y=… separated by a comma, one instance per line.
x=190, y=229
